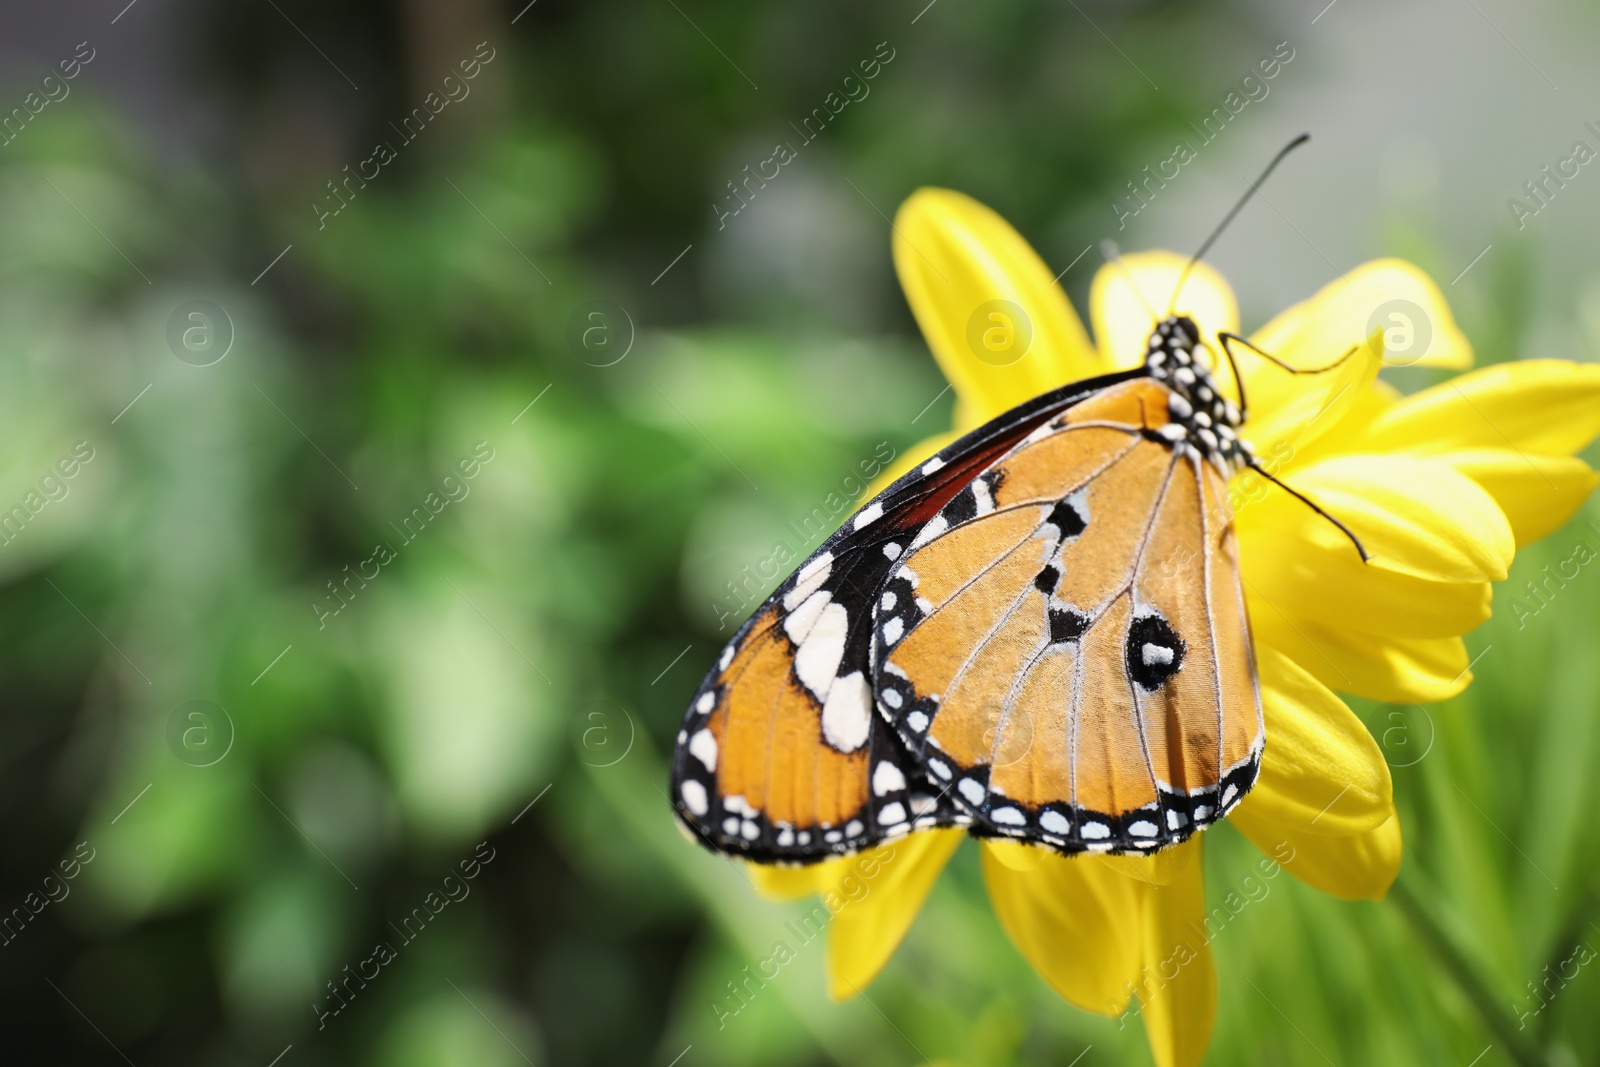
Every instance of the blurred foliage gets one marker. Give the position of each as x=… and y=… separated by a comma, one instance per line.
x=515, y=671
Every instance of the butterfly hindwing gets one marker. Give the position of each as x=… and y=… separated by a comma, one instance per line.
x=1064, y=645
x=782, y=757
x=772, y=769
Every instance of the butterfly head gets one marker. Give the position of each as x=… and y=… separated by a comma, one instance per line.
x=1200, y=417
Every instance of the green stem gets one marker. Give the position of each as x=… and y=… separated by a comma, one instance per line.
x=1454, y=961
x=1574, y=931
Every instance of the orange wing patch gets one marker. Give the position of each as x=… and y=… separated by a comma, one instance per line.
x=765, y=732
x=761, y=770
x=1065, y=644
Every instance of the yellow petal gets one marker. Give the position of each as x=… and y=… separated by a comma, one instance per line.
x=792, y=883
x=1359, y=867
x=1401, y=670
x=1415, y=516
x=1290, y=563
x=1288, y=414
x=1537, y=493
x=1387, y=295
x=1161, y=868
x=1178, y=998
x=1322, y=772
x=875, y=899
x=1343, y=434
x=1077, y=921
x=1126, y=301
x=1023, y=859
x=1292, y=560
x=1545, y=406
x=998, y=324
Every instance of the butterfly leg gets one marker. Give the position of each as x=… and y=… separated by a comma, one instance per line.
x=1238, y=379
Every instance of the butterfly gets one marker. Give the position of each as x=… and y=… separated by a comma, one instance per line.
x=1040, y=634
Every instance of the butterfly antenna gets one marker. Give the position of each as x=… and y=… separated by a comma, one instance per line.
x=1312, y=504
x=1238, y=207
x=1108, y=249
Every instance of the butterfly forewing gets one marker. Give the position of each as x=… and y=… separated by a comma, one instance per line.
x=1064, y=646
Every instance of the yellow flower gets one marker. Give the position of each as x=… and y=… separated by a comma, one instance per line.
x=1441, y=487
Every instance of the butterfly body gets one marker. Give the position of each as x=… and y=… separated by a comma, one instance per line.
x=1199, y=416
x=1039, y=634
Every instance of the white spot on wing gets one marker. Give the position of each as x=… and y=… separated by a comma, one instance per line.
x=703, y=747
x=1009, y=817
x=984, y=498
x=933, y=528
x=817, y=659
x=892, y=813
x=809, y=580
x=707, y=701
x=1095, y=831
x=868, y=514
x=887, y=779
x=970, y=789
x=932, y=465
x=892, y=630
x=847, y=713
x=1154, y=654
x=694, y=797
x=803, y=618
x=1055, y=822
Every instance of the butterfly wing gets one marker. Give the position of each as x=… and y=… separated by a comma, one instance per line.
x=1065, y=644
x=781, y=757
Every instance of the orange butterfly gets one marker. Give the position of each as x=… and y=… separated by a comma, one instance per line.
x=1039, y=634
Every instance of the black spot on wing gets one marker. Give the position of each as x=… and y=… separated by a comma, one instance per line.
x=1067, y=624
x=963, y=508
x=1154, y=651
x=1066, y=517
x=1047, y=580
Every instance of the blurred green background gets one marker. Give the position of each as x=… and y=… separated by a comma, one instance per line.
x=441, y=568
